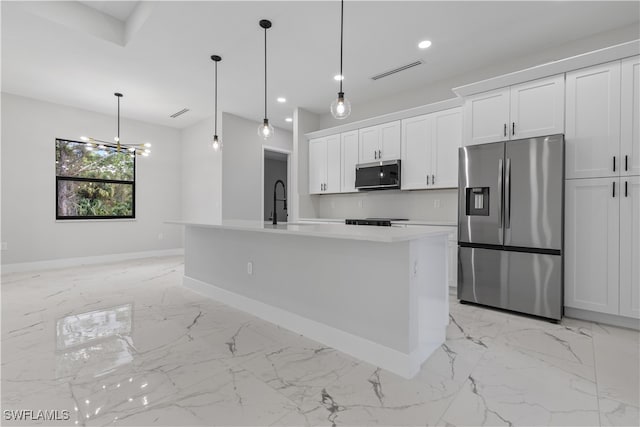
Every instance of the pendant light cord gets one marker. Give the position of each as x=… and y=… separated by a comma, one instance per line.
x=215, y=120
x=265, y=73
x=341, y=38
x=118, y=119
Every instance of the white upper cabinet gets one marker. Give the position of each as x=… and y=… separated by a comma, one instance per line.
x=416, y=152
x=381, y=142
x=630, y=246
x=349, y=160
x=592, y=232
x=333, y=165
x=447, y=139
x=486, y=116
x=526, y=110
x=593, y=122
x=430, y=150
x=317, y=165
x=537, y=108
x=324, y=165
x=630, y=129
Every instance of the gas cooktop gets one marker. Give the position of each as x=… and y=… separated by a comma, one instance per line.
x=382, y=222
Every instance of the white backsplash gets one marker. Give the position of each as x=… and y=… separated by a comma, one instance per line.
x=435, y=205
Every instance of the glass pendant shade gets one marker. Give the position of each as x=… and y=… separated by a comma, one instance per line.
x=216, y=144
x=265, y=130
x=340, y=107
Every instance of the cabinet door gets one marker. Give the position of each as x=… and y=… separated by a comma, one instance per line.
x=486, y=116
x=390, y=140
x=447, y=138
x=537, y=108
x=591, y=244
x=369, y=144
x=317, y=165
x=333, y=165
x=630, y=247
x=630, y=128
x=349, y=160
x=592, y=133
x=416, y=152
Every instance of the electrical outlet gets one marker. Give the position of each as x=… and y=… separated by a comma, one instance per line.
x=436, y=203
x=4, y=246
x=250, y=268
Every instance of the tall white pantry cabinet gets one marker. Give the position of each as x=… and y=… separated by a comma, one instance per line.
x=602, y=207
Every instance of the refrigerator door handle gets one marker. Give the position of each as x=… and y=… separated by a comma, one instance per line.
x=500, y=193
x=507, y=195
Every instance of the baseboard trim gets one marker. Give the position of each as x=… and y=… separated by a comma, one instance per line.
x=404, y=365
x=604, y=318
x=74, y=262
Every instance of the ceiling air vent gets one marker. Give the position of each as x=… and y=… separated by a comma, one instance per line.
x=179, y=113
x=396, y=70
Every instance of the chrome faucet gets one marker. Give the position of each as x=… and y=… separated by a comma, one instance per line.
x=275, y=187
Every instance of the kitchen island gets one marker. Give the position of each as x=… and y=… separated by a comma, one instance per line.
x=377, y=293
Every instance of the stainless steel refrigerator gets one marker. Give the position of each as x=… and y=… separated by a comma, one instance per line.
x=510, y=225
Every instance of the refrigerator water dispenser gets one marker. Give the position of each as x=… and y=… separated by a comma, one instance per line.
x=477, y=201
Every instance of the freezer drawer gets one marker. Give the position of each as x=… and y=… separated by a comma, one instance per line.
x=520, y=281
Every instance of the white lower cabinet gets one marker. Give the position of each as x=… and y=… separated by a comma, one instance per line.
x=602, y=230
x=630, y=246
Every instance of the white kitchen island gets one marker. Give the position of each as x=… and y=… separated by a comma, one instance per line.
x=377, y=293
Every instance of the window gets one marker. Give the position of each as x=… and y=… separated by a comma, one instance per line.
x=94, y=182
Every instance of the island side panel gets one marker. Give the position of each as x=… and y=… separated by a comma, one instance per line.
x=360, y=287
x=429, y=295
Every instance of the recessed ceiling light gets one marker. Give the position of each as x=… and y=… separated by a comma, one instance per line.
x=288, y=119
x=281, y=100
x=424, y=44
x=338, y=77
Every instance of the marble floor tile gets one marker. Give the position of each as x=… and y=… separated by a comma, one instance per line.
x=617, y=359
x=125, y=344
x=507, y=387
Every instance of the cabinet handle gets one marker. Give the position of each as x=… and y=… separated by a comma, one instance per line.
x=433, y=179
x=513, y=128
x=614, y=163
x=375, y=154
x=379, y=154
x=427, y=179
x=505, y=129
x=626, y=162
x=626, y=189
x=614, y=189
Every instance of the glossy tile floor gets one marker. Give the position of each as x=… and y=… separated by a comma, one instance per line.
x=123, y=344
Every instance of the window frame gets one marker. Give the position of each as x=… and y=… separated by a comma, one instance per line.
x=96, y=180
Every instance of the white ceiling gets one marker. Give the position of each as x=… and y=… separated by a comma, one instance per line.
x=157, y=53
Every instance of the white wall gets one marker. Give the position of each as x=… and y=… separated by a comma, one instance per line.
x=201, y=173
x=242, y=166
x=29, y=227
x=441, y=90
x=304, y=205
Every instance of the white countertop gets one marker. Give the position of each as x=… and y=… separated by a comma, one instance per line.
x=335, y=231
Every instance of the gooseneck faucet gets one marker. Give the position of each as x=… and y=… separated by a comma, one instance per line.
x=284, y=189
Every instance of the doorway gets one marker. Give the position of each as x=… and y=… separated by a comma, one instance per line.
x=275, y=167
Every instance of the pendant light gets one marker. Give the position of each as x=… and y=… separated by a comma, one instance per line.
x=139, y=149
x=265, y=130
x=215, y=143
x=341, y=107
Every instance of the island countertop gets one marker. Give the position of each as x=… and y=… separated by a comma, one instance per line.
x=335, y=231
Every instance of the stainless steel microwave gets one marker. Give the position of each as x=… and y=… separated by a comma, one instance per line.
x=384, y=175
